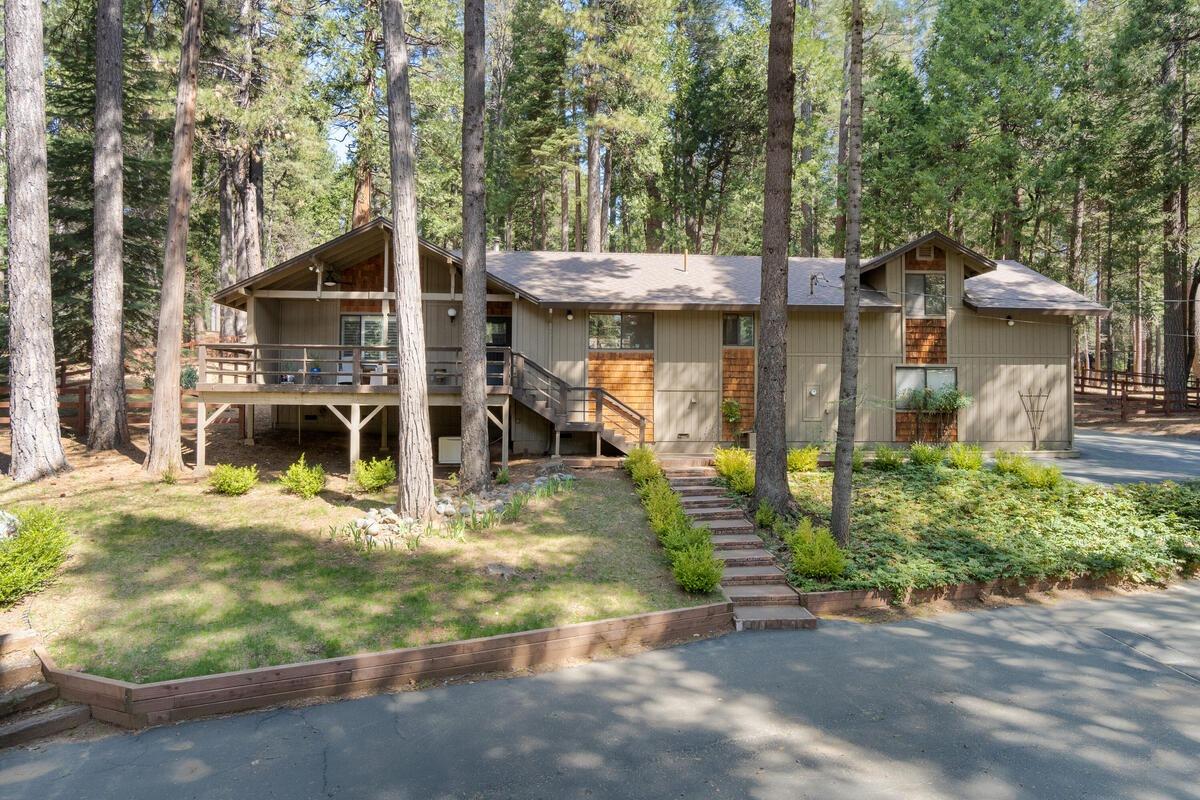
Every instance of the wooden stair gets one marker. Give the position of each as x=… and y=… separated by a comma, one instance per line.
x=753, y=582
x=29, y=707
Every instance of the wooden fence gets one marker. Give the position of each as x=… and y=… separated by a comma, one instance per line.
x=139, y=705
x=73, y=408
x=1132, y=387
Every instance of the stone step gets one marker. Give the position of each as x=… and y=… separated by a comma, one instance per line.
x=762, y=594
x=43, y=723
x=747, y=557
x=19, y=670
x=736, y=576
x=770, y=618
x=742, y=525
x=691, y=501
x=690, y=472
x=696, y=491
x=26, y=697
x=715, y=512
x=735, y=541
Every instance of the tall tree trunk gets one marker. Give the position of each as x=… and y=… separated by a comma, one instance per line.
x=1174, y=230
x=107, y=425
x=164, y=454
x=770, y=472
x=606, y=200
x=654, y=221
x=1139, y=348
x=595, y=213
x=364, y=170
x=564, y=209
x=475, y=463
x=33, y=402
x=415, y=453
x=251, y=225
x=808, y=217
x=578, y=209
x=227, y=212
x=839, y=220
x=843, y=466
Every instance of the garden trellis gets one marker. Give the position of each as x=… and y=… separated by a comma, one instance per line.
x=1034, y=403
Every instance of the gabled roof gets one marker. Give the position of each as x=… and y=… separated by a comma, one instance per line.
x=1014, y=287
x=933, y=237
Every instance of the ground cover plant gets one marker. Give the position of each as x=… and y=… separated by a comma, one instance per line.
x=921, y=525
x=803, y=459
x=167, y=581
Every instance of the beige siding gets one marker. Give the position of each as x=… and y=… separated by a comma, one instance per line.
x=440, y=331
x=531, y=331
x=820, y=333
x=308, y=322
x=568, y=348
x=997, y=415
x=813, y=386
x=687, y=378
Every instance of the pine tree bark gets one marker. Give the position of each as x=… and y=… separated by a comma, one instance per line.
x=33, y=400
x=363, y=169
x=808, y=216
x=839, y=220
x=848, y=394
x=226, y=213
x=1174, y=209
x=475, y=462
x=415, y=453
x=165, y=451
x=107, y=425
x=595, y=212
x=606, y=199
x=770, y=472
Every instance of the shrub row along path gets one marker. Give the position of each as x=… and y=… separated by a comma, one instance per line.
x=752, y=580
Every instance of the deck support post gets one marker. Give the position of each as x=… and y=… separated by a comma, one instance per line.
x=506, y=417
x=599, y=444
x=557, y=442
x=355, y=432
x=201, y=424
x=383, y=432
x=247, y=424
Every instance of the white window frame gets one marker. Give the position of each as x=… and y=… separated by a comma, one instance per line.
x=924, y=294
x=924, y=369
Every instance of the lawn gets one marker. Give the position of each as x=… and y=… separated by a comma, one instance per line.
x=918, y=527
x=167, y=581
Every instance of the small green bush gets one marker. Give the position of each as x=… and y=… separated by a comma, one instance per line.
x=696, y=569
x=642, y=466
x=502, y=476
x=685, y=537
x=664, y=510
x=29, y=560
x=965, y=456
x=230, y=480
x=887, y=458
x=925, y=455
x=803, y=459
x=373, y=475
x=765, y=516
x=1033, y=475
x=742, y=481
x=815, y=554
x=188, y=377
x=304, y=480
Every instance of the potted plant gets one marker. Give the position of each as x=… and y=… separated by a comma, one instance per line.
x=731, y=412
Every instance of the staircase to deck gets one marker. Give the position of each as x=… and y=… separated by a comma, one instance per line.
x=753, y=582
x=571, y=409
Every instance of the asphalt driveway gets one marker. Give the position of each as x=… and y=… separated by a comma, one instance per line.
x=1077, y=699
x=1115, y=458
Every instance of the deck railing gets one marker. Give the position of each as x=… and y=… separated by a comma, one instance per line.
x=335, y=366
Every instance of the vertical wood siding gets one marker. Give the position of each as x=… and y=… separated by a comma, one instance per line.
x=687, y=377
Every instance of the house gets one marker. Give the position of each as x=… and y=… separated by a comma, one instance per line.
x=599, y=352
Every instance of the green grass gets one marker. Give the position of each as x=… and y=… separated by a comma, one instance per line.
x=168, y=581
x=921, y=526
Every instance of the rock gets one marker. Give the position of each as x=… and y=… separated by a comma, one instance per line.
x=502, y=571
x=8, y=525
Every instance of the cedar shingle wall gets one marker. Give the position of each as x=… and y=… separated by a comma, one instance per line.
x=925, y=341
x=629, y=376
x=737, y=383
x=937, y=264
x=906, y=428
x=364, y=277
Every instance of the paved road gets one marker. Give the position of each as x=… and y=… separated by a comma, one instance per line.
x=1080, y=699
x=1113, y=458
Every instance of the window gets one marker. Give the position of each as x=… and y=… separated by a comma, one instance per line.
x=369, y=330
x=621, y=331
x=911, y=379
x=499, y=331
x=924, y=294
x=738, y=330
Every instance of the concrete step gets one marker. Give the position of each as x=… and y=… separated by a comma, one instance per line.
x=690, y=472
x=747, y=557
x=696, y=491
x=43, y=723
x=24, y=698
x=715, y=512
x=19, y=669
x=770, y=618
x=742, y=525
x=762, y=594
x=735, y=541
x=736, y=576
x=677, y=483
x=691, y=501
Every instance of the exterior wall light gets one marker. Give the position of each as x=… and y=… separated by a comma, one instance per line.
x=1010, y=320
x=570, y=314
x=452, y=312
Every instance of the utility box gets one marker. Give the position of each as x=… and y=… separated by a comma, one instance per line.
x=449, y=449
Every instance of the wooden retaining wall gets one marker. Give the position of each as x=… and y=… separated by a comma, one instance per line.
x=134, y=705
x=833, y=602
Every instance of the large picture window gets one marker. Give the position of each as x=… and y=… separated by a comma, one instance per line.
x=912, y=379
x=625, y=330
x=738, y=330
x=924, y=294
x=369, y=330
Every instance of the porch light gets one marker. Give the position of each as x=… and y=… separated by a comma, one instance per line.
x=329, y=281
x=1010, y=320
x=452, y=312
x=570, y=314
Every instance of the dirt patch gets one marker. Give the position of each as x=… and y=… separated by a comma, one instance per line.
x=1096, y=412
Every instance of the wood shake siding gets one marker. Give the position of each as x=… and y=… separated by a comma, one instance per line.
x=936, y=264
x=364, y=277
x=737, y=383
x=907, y=431
x=629, y=376
x=925, y=341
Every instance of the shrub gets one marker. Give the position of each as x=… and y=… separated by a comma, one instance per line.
x=188, y=377
x=642, y=466
x=888, y=458
x=502, y=476
x=803, y=459
x=815, y=554
x=304, y=480
x=230, y=480
x=696, y=570
x=742, y=481
x=925, y=455
x=29, y=560
x=736, y=467
x=731, y=411
x=685, y=537
x=1033, y=475
x=664, y=510
x=765, y=516
x=965, y=456
x=373, y=475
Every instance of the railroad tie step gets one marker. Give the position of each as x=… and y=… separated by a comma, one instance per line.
x=742, y=525
x=748, y=557
x=735, y=541
x=43, y=723
x=690, y=472
x=701, y=490
x=768, y=618
x=19, y=669
x=758, y=574
x=24, y=698
x=714, y=512
x=689, y=482
x=762, y=594
x=697, y=501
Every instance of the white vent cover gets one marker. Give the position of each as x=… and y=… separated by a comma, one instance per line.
x=925, y=252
